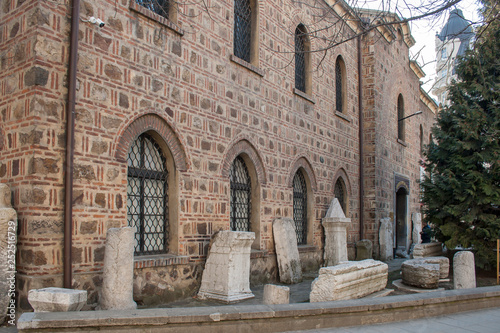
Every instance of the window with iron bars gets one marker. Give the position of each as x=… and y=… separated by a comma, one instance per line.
x=242, y=29
x=338, y=86
x=240, y=201
x=300, y=207
x=300, y=58
x=160, y=7
x=147, y=196
x=401, y=114
x=339, y=193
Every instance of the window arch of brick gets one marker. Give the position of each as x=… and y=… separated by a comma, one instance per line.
x=243, y=146
x=245, y=31
x=301, y=212
x=342, y=187
x=340, y=85
x=303, y=80
x=155, y=123
x=401, y=114
x=303, y=163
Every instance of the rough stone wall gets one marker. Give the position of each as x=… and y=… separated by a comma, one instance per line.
x=137, y=74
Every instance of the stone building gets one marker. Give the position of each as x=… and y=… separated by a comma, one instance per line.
x=189, y=119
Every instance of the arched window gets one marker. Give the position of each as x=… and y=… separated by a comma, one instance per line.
x=339, y=192
x=340, y=85
x=240, y=202
x=421, y=139
x=242, y=29
x=147, y=196
x=300, y=207
x=302, y=57
x=401, y=115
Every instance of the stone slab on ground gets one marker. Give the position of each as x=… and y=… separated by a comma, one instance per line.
x=57, y=299
x=399, y=285
x=419, y=274
x=274, y=294
x=443, y=262
x=386, y=239
x=287, y=252
x=349, y=280
x=364, y=249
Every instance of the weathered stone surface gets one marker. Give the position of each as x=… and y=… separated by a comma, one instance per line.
x=464, y=270
x=36, y=76
x=428, y=250
x=364, y=249
x=227, y=271
x=443, y=262
x=118, y=275
x=274, y=294
x=417, y=227
x=349, y=280
x=419, y=274
x=285, y=240
x=386, y=239
x=335, y=224
x=8, y=241
x=57, y=299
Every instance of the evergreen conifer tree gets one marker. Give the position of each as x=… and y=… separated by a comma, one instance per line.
x=461, y=189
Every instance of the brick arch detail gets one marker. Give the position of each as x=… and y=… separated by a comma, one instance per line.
x=342, y=174
x=303, y=163
x=244, y=146
x=151, y=122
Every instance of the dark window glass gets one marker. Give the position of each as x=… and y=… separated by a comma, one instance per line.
x=401, y=114
x=147, y=196
x=300, y=207
x=240, y=196
x=339, y=192
x=242, y=29
x=300, y=59
x=161, y=7
x=338, y=86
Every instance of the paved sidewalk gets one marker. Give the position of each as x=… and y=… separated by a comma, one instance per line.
x=484, y=321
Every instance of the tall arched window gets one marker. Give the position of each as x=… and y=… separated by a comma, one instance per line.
x=240, y=201
x=421, y=139
x=300, y=207
x=301, y=58
x=340, y=85
x=339, y=192
x=401, y=114
x=242, y=29
x=147, y=196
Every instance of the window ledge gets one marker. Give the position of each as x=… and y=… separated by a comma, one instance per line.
x=401, y=142
x=343, y=116
x=307, y=248
x=156, y=17
x=254, y=254
x=304, y=95
x=159, y=260
x=247, y=65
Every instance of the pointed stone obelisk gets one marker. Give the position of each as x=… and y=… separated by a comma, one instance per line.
x=335, y=224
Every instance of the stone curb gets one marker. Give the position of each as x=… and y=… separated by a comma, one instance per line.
x=266, y=318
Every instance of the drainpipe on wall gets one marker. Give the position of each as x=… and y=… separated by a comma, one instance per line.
x=70, y=146
x=361, y=149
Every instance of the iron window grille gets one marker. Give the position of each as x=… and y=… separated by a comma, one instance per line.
x=401, y=114
x=240, y=196
x=242, y=29
x=147, y=196
x=300, y=207
x=338, y=86
x=160, y=7
x=300, y=59
x=339, y=193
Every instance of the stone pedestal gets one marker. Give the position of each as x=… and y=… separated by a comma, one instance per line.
x=420, y=274
x=349, y=280
x=416, y=218
x=443, y=262
x=57, y=299
x=386, y=239
x=335, y=224
x=8, y=241
x=226, y=276
x=118, y=275
x=423, y=250
x=364, y=249
x=274, y=294
x=464, y=270
x=287, y=252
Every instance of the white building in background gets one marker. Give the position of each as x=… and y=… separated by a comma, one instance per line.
x=453, y=40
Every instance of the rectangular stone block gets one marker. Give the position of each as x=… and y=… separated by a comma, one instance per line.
x=57, y=299
x=274, y=294
x=285, y=241
x=433, y=249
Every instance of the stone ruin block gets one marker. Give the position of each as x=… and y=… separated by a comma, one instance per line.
x=335, y=224
x=364, y=249
x=417, y=228
x=226, y=276
x=423, y=250
x=386, y=239
x=57, y=299
x=443, y=262
x=8, y=245
x=419, y=274
x=287, y=252
x=118, y=275
x=349, y=280
x=464, y=270
x=274, y=294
